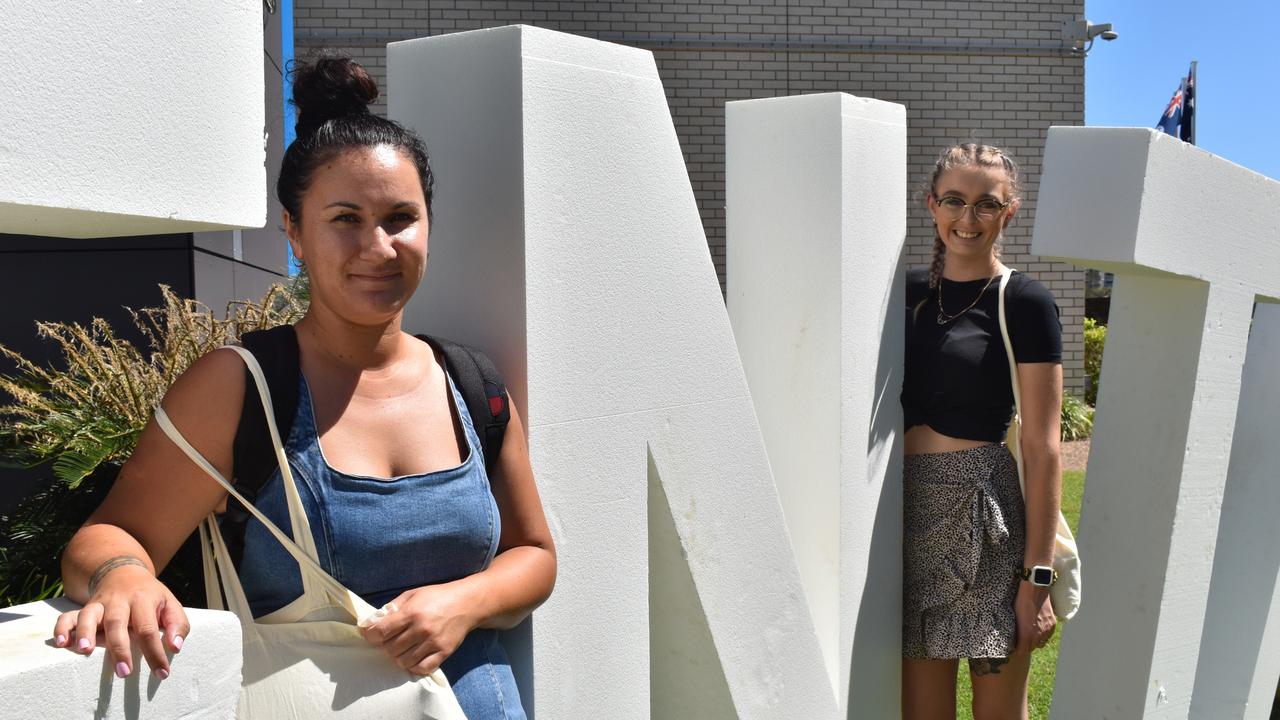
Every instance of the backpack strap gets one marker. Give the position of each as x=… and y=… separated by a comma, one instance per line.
x=276, y=350
x=253, y=456
x=483, y=391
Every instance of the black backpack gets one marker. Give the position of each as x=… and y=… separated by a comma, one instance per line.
x=276, y=349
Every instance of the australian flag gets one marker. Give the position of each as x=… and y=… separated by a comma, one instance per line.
x=1188, y=121
x=1178, y=119
x=1171, y=120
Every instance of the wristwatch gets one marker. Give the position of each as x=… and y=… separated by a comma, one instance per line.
x=1039, y=575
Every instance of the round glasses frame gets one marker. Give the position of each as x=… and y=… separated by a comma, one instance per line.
x=986, y=209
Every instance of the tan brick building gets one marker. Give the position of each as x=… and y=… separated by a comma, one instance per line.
x=996, y=72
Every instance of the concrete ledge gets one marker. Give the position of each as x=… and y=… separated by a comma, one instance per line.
x=46, y=681
x=131, y=119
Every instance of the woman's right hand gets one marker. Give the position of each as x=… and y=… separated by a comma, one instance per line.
x=128, y=604
x=156, y=502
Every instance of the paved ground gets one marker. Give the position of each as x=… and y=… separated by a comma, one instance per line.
x=1075, y=455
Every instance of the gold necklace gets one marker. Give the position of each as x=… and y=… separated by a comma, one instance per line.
x=944, y=317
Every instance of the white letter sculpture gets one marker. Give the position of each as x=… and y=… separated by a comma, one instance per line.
x=131, y=118
x=1192, y=239
x=816, y=190
x=567, y=241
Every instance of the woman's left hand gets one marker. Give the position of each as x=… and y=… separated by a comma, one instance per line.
x=426, y=627
x=1035, y=618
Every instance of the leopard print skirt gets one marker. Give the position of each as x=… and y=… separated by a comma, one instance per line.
x=963, y=538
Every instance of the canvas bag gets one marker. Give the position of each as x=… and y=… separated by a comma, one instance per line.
x=1065, y=593
x=307, y=660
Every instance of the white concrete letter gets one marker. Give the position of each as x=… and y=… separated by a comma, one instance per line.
x=1192, y=239
x=40, y=680
x=1240, y=650
x=567, y=241
x=131, y=118
x=816, y=211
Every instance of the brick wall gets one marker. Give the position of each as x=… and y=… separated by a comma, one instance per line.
x=996, y=72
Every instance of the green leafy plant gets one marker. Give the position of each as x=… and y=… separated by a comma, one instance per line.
x=82, y=417
x=1077, y=418
x=1095, y=337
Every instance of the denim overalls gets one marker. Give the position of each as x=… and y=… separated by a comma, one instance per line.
x=380, y=537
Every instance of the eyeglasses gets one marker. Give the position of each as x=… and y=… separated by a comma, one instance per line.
x=954, y=207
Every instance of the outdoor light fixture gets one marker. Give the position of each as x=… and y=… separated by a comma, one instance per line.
x=1081, y=34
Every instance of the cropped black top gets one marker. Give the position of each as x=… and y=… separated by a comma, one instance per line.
x=957, y=375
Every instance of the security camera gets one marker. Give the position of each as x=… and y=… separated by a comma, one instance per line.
x=1080, y=34
x=1094, y=30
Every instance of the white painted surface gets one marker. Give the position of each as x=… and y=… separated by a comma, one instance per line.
x=131, y=119
x=816, y=212
x=1239, y=660
x=1192, y=240
x=40, y=680
x=567, y=240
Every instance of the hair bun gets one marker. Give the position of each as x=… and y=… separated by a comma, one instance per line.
x=330, y=87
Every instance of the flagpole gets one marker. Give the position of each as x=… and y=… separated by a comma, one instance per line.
x=1195, y=89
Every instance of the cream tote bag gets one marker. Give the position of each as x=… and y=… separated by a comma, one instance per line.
x=1065, y=593
x=307, y=660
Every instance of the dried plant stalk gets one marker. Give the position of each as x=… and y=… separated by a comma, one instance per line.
x=91, y=409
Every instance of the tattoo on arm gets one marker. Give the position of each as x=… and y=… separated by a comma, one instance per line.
x=106, y=567
x=987, y=666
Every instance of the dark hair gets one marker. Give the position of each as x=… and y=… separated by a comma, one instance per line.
x=966, y=154
x=332, y=96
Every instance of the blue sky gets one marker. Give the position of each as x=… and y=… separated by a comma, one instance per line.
x=1129, y=81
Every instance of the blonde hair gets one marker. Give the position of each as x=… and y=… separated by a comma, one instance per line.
x=967, y=155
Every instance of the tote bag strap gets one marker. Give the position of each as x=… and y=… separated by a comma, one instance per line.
x=297, y=513
x=310, y=570
x=212, y=586
x=217, y=568
x=1015, y=427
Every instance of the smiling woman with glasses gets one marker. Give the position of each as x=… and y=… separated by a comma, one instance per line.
x=974, y=550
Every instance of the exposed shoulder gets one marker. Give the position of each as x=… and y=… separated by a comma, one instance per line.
x=917, y=285
x=210, y=393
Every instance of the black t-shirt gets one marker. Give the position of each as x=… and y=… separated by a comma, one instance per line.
x=957, y=376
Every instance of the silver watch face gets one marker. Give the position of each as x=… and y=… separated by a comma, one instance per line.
x=1042, y=576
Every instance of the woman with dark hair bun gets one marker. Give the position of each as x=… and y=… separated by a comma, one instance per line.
x=386, y=455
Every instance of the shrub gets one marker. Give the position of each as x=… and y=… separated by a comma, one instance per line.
x=1077, y=418
x=1095, y=336
x=83, y=418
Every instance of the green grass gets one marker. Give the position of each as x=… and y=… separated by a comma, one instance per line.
x=1044, y=662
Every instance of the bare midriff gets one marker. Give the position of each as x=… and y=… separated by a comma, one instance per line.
x=921, y=439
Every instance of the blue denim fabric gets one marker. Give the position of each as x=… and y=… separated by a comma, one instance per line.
x=380, y=537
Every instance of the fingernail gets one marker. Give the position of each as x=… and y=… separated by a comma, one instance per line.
x=85, y=645
x=60, y=641
x=162, y=674
x=122, y=669
x=177, y=643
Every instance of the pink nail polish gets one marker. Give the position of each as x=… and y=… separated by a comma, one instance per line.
x=85, y=646
x=177, y=643
x=122, y=669
x=60, y=641
x=162, y=674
